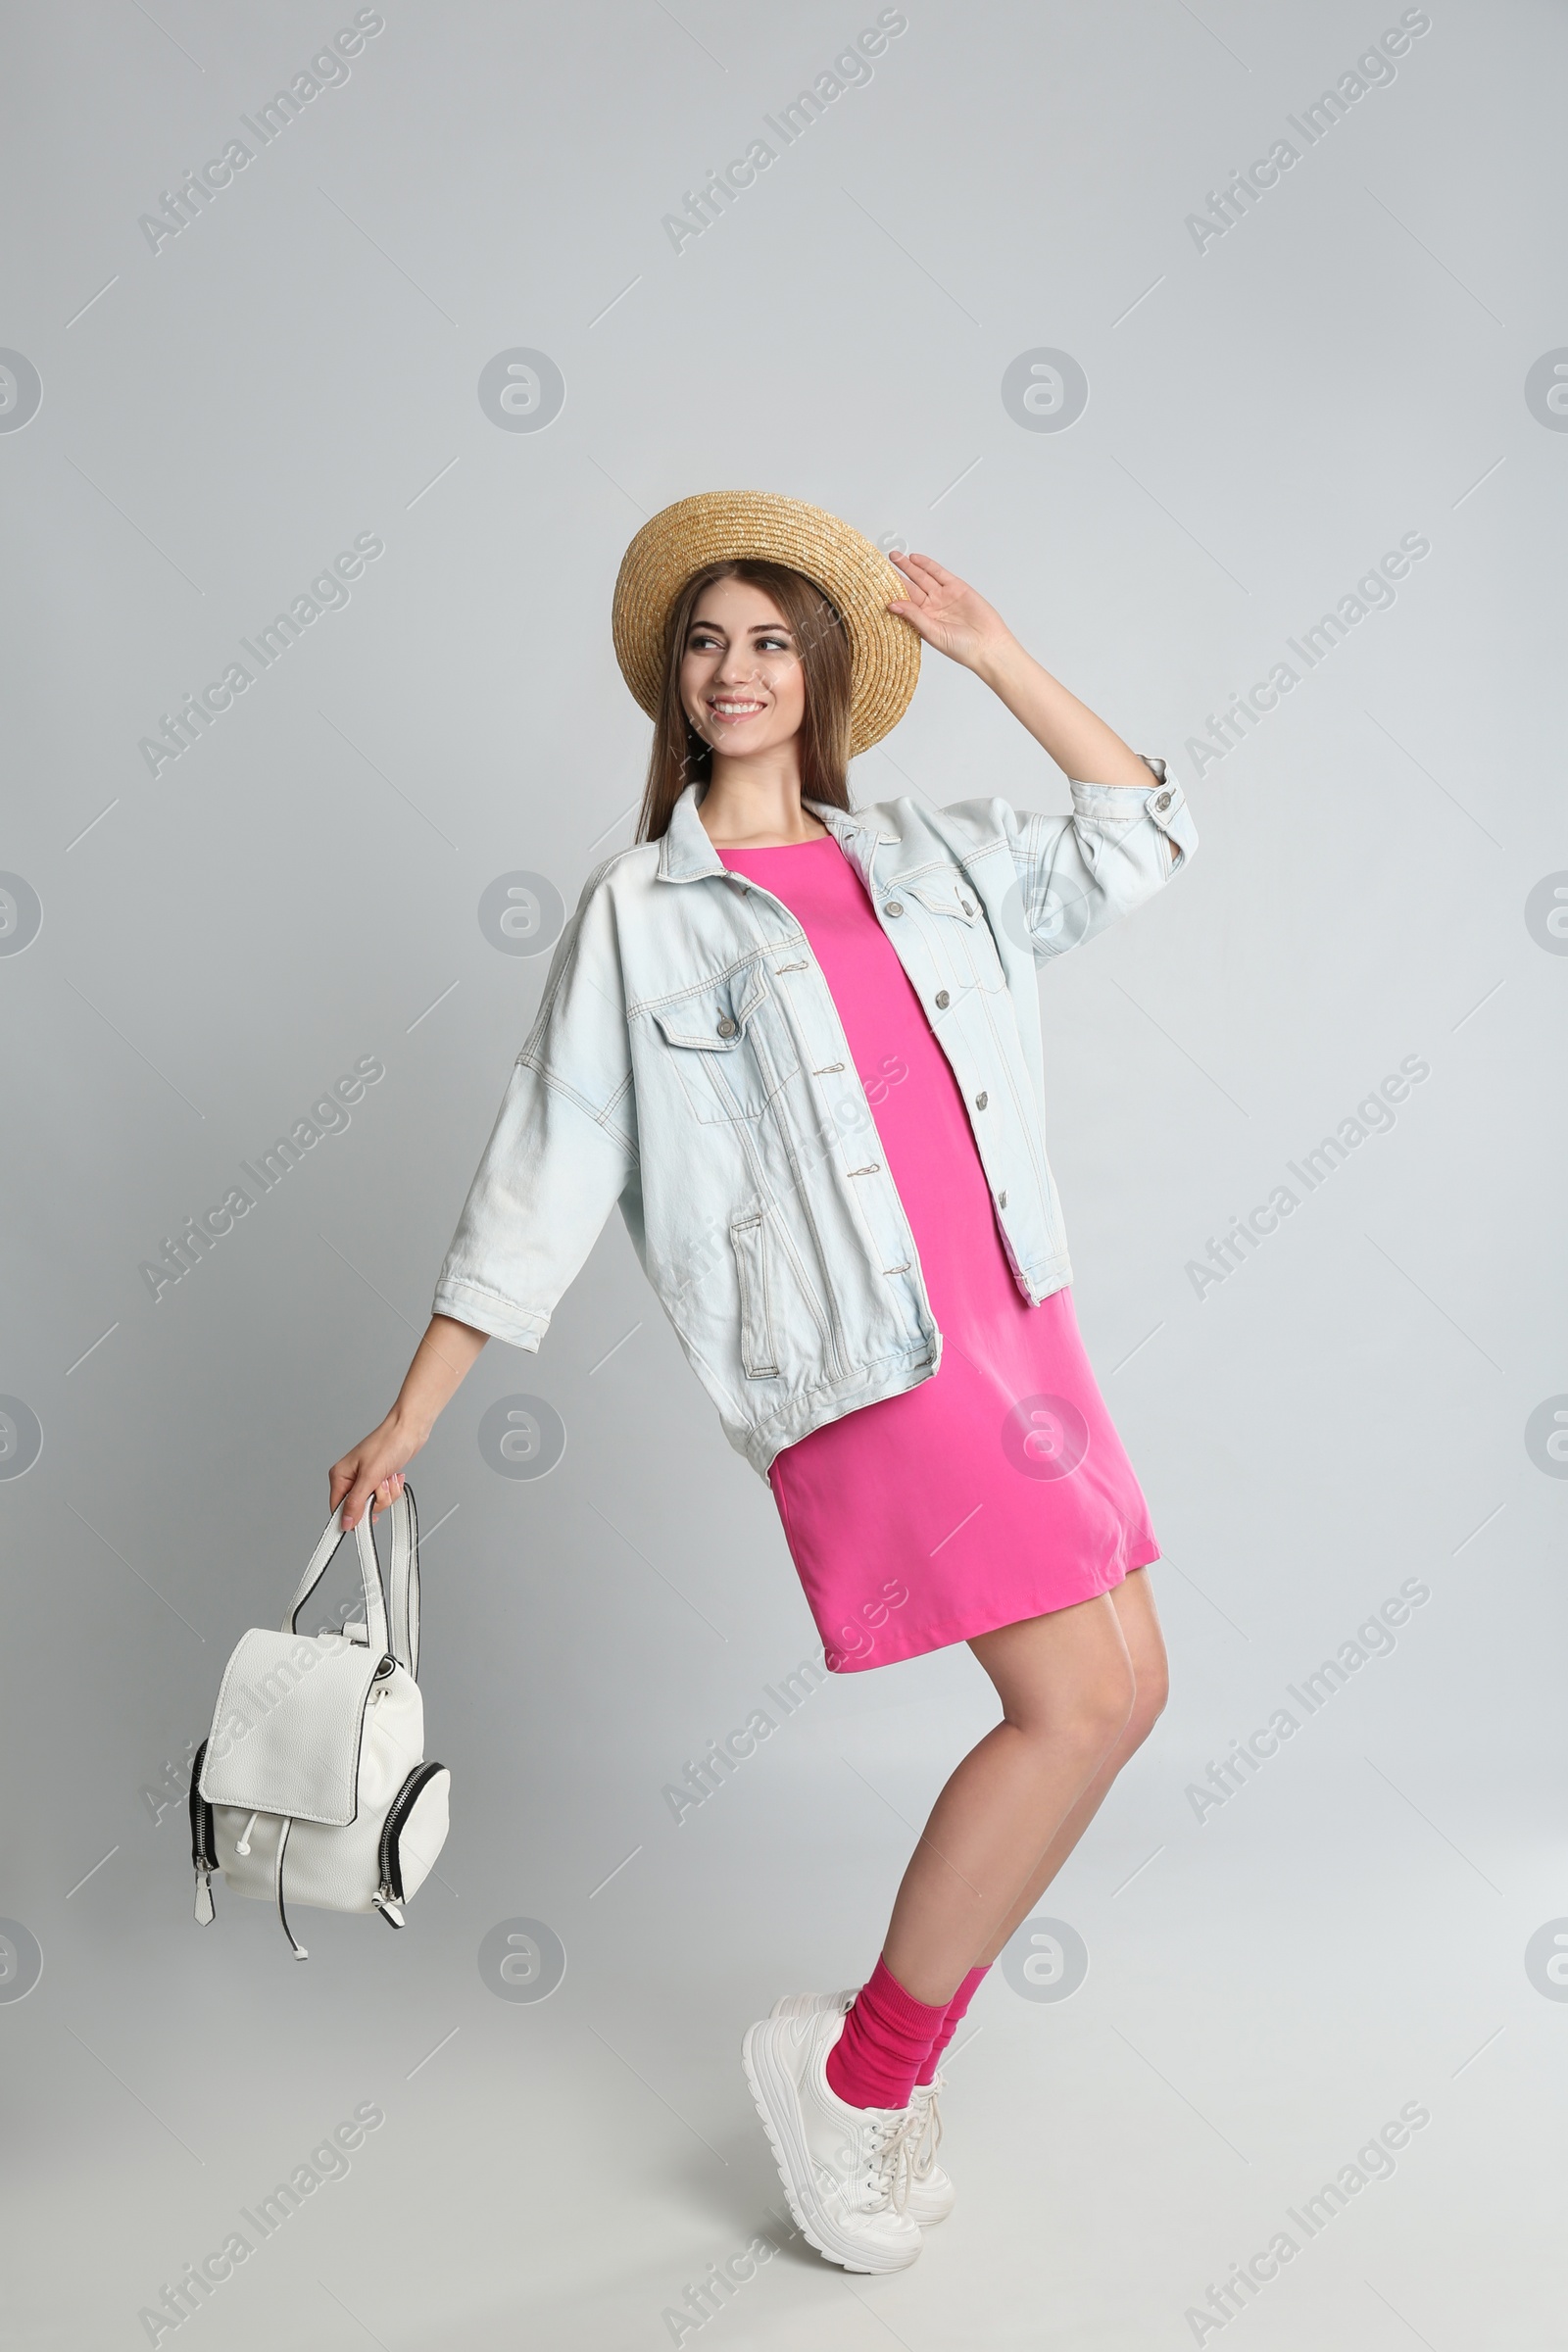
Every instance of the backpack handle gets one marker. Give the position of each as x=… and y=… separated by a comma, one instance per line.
x=403, y=1580
x=370, y=1576
x=402, y=1638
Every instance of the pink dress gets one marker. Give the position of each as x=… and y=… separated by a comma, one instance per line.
x=998, y=1490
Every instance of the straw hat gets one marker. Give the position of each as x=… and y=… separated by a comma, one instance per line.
x=722, y=526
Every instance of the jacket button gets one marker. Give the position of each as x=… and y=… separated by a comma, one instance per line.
x=726, y=1027
x=980, y=1101
x=1162, y=800
x=943, y=1000
x=1002, y=1200
x=968, y=909
x=893, y=907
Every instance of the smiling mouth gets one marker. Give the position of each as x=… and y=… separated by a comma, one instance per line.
x=732, y=709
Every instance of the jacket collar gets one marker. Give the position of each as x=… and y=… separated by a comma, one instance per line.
x=685, y=851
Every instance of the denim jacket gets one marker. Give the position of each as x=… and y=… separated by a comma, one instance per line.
x=688, y=1061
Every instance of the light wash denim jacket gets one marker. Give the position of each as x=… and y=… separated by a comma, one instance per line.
x=689, y=1062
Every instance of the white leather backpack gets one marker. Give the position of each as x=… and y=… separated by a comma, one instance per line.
x=311, y=1781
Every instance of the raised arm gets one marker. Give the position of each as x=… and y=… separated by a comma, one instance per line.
x=1082, y=745
x=1130, y=828
x=955, y=619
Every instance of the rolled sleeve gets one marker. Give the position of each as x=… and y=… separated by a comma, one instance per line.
x=1074, y=875
x=1163, y=803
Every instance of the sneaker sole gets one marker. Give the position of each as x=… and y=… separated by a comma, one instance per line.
x=768, y=2080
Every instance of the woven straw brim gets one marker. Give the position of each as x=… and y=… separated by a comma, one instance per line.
x=723, y=525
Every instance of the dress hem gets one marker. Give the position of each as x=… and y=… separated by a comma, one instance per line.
x=1015, y=1616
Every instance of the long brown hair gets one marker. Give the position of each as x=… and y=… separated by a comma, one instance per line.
x=679, y=754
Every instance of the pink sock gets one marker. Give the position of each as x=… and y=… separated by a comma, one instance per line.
x=958, y=2008
x=885, y=2038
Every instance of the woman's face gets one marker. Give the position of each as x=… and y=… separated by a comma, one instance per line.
x=742, y=682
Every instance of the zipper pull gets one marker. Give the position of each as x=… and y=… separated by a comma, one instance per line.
x=244, y=1846
x=389, y=1910
x=204, y=1898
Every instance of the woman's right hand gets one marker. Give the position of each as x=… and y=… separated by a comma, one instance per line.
x=371, y=1472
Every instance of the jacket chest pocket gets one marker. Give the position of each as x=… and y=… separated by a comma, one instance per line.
x=962, y=934
x=729, y=1045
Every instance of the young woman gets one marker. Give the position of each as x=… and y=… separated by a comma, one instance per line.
x=800, y=1047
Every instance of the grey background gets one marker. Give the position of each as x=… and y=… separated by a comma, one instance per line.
x=300, y=889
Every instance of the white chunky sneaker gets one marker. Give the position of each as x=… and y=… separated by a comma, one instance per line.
x=845, y=2169
x=931, y=2194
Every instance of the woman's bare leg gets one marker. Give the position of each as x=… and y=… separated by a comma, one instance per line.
x=1134, y=1603
x=1067, y=1689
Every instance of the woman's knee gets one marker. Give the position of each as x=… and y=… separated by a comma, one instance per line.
x=1101, y=1706
x=1082, y=1695
x=1151, y=1689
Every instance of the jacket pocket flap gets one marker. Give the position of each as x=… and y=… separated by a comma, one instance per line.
x=286, y=1730
x=712, y=1017
x=943, y=893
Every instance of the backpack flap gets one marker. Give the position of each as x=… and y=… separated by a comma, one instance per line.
x=288, y=1725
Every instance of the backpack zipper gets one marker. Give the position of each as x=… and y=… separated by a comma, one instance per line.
x=390, y=1862
x=202, y=1851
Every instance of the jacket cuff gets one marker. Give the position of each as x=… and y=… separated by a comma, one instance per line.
x=1163, y=801
x=488, y=1311
x=1122, y=802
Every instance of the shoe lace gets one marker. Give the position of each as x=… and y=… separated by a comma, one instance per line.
x=924, y=2154
x=891, y=2159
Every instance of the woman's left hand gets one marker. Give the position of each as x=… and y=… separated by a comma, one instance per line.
x=948, y=613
